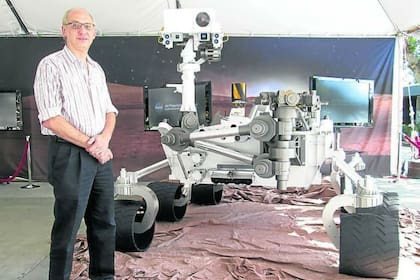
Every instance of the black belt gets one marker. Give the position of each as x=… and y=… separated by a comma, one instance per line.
x=55, y=138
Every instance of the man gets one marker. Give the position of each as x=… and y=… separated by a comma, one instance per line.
x=75, y=109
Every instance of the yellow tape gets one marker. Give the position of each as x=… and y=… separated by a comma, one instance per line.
x=239, y=91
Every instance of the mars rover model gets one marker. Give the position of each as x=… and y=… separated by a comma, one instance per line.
x=281, y=142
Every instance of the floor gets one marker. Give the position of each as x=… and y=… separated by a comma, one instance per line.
x=26, y=218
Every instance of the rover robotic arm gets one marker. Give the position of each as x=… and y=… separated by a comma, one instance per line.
x=200, y=35
x=137, y=205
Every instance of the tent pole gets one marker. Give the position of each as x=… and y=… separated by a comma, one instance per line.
x=15, y=13
x=397, y=104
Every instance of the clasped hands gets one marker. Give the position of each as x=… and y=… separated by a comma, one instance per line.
x=98, y=148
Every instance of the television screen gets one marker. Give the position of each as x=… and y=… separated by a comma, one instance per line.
x=11, y=111
x=348, y=102
x=164, y=104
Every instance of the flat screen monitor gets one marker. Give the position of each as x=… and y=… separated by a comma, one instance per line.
x=163, y=104
x=11, y=110
x=348, y=102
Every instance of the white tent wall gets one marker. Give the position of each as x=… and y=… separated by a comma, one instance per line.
x=128, y=17
x=325, y=18
x=9, y=26
x=321, y=18
x=404, y=15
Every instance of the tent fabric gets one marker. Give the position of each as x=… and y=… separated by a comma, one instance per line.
x=291, y=18
x=9, y=25
x=130, y=17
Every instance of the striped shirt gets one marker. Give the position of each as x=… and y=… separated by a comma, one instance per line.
x=77, y=91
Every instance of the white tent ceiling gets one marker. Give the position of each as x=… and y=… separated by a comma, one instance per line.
x=303, y=18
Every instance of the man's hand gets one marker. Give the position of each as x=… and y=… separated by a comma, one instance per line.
x=103, y=156
x=97, y=144
x=98, y=148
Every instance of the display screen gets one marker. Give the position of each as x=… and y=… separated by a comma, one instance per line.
x=10, y=111
x=164, y=104
x=348, y=102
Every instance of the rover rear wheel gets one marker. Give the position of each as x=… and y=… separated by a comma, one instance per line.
x=127, y=214
x=172, y=204
x=369, y=240
x=207, y=194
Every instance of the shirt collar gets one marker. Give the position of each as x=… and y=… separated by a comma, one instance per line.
x=73, y=58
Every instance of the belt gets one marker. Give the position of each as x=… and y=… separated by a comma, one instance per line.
x=55, y=138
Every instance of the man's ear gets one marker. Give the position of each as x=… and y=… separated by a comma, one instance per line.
x=63, y=32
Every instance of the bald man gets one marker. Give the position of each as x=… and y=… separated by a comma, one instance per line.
x=76, y=112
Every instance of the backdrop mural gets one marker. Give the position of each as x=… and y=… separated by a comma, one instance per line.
x=264, y=64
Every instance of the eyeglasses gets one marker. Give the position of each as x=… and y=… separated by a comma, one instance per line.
x=78, y=25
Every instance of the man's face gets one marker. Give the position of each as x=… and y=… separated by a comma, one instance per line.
x=79, y=31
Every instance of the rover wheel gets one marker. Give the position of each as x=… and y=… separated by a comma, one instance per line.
x=369, y=242
x=172, y=204
x=127, y=214
x=390, y=206
x=207, y=194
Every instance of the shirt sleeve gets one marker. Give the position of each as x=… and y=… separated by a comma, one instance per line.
x=109, y=107
x=46, y=91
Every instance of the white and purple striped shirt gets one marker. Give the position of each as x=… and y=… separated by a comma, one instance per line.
x=68, y=87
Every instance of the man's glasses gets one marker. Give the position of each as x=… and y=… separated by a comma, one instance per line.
x=78, y=25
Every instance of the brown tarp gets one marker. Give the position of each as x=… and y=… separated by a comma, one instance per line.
x=254, y=233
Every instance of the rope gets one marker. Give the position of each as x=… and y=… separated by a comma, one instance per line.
x=20, y=166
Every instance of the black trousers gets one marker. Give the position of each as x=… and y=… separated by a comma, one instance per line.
x=83, y=188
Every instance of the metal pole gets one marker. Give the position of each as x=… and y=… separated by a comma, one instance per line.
x=28, y=156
